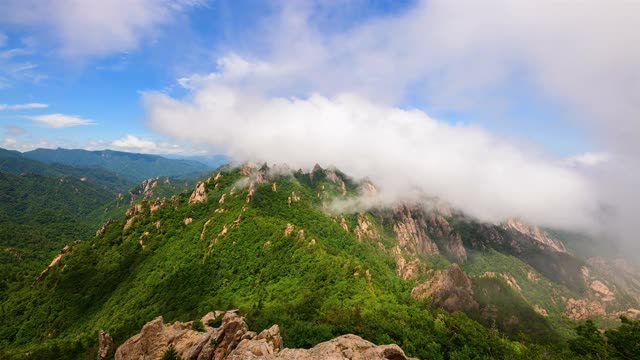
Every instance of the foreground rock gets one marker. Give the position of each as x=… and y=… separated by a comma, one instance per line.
x=232, y=340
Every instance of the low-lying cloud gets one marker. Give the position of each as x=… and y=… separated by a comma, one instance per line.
x=333, y=97
x=402, y=151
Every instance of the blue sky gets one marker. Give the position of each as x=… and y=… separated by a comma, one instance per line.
x=105, y=86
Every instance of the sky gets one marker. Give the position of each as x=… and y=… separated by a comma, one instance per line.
x=501, y=107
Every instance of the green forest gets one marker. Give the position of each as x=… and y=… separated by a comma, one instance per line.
x=316, y=281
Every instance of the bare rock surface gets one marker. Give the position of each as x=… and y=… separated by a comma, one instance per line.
x=449, y=289
x=535, y=233
x=199, y=194
x=410, y=226
x=105, y=343
x=232, y=340
x=583, y=309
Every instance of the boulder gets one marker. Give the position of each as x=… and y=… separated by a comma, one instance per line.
x=232, y=340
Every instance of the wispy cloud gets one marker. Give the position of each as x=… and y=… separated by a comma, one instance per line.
x=23, y=106
x=60, y=120
x=95, y=28
x=14, y=130
x=16, y=66
x=134, y=143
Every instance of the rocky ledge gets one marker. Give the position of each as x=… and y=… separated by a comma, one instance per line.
x=232, y=340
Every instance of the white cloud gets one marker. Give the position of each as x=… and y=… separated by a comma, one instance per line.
x=23, y=106
x=95, y=28
x=581, y=57
x=134, y=143
x=403, y=151
x=60, y=120
x=14, y=144
x=588, y=159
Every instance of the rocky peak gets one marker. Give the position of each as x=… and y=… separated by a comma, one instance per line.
x=535, y=233
x=232, y=340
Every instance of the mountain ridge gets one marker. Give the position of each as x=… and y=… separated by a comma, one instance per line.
x=258, y=238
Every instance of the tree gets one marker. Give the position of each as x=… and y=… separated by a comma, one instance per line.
x=625, y=340
x=589, y=342
x=170, y=354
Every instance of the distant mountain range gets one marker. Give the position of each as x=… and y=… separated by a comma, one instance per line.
x=130, y=166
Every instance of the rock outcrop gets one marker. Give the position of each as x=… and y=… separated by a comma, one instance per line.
x=132, y=214
x=104, y=227
x=535, y=233
x=105, y=343
x=449, y=289
x=410, y=225
x=232, y=340
x=199, y=195
x=365, y=229
x=583, y=309
x=448, y=238
x=55, y=260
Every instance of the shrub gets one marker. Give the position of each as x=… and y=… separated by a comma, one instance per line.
x=214, y=323
x=170, y=354
x=198, y=325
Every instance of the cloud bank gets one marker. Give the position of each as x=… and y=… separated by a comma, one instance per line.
x=333, y=97
x=403, y=151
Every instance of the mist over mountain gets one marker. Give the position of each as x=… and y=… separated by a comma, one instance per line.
x=266, y=240
x=242, y=180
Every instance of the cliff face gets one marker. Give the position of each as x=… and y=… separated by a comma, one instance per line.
x=410, y=227
x=449, y=289
x=534, y=232
x=233, y=340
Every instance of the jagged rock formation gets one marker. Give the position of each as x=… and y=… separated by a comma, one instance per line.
x=448, y=238
x=232, y=340
x=199, y=194
x=132, y=213
x=365, y=229
x=410, y=226
x=449, y=289
x=535, y=233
